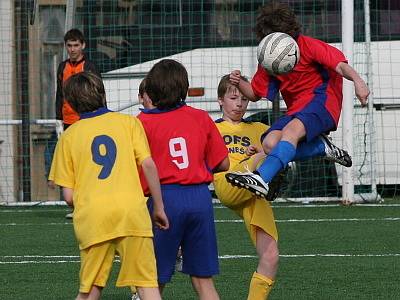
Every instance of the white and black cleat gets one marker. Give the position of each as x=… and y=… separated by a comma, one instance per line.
x=250, y=181
x=135, y=296
x=334, y=153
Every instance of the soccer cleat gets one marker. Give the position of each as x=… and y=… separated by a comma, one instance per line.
x=70, y=215
x=250, y=181
x=135, y=296
x=274, y=187
x=334, y=153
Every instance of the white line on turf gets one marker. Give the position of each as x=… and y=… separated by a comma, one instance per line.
x=32, y=210
x=39, y=256
x=35, y=224
x=314, y=255
x=224, y=207
x=241, y=221
x=338, y=220
x=327, y=205
x=38, y=262
x=318, y=220
x=72, y=258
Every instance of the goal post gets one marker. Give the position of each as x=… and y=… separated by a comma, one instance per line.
x=348, y=102
x=348, y=111
x=8, y=175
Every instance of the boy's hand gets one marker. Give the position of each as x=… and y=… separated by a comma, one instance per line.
x=234, y=77
x=251, y=150
x=362, y=91
x=160, y=219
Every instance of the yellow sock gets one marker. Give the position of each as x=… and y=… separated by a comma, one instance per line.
x=260, y=286
x=133, y=289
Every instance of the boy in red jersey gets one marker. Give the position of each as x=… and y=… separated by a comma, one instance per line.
x=187, y=148
x=312, y=92
x=145, y=100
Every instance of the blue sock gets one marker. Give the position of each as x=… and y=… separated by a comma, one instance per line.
x=306, y=150
x=278, y=159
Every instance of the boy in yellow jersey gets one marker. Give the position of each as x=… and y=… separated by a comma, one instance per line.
x=96, y=162
x=242, y=139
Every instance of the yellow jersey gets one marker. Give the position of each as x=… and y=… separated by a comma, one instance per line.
x=239, y=136
x=98, y=157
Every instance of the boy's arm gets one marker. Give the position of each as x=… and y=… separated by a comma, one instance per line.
x=67, y=194
x=244, y=86
x=223, y=166
x=253, y=149
x=150, y=172
x=360, y=87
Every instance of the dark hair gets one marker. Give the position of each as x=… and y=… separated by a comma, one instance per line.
x=167, y=84
x=74, y=34
x=224, y=85
x=85, y=92
x=142, y=87
x=276, y=17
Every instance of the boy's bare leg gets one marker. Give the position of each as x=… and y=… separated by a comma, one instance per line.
x=262, y=280
x=204, y=286
x=94, y=294
x=268, y=253
x=149, y=293
x=257, y=159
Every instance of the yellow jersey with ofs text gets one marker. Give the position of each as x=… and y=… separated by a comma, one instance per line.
x=239, y=136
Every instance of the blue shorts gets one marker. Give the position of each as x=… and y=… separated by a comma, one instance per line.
x=191, y=219
x=315, y=118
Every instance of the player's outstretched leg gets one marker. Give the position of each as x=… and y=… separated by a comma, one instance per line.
x=322, y=146
x=334, y=153
x=250, y=181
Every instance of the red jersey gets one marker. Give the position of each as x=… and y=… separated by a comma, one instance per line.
x=185, y=144
x=314, y=78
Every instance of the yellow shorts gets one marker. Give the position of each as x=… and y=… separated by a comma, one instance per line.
x=138, y=264
x=255, y=211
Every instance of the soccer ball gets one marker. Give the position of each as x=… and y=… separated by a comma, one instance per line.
x=278, y=53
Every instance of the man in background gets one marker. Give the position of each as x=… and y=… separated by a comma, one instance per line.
x=76, y=62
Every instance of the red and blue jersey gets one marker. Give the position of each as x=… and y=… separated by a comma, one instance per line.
x=314, y=78
x=185, y=144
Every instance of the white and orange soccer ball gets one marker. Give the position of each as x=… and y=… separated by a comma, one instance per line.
x=278, y=53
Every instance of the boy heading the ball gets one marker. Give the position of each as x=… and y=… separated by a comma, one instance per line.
x=312, y=92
